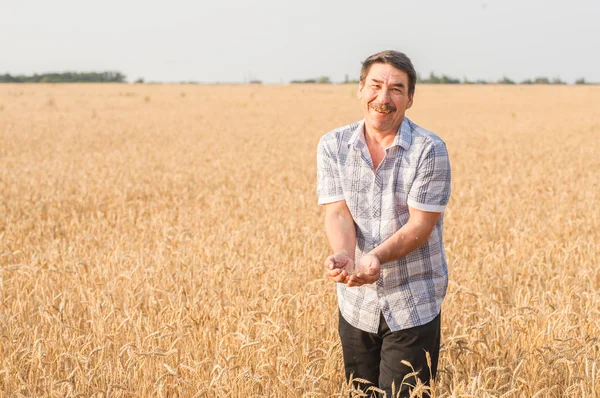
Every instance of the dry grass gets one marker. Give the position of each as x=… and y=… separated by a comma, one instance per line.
x=165, y=240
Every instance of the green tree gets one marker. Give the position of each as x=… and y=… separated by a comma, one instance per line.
x=66, y=77
x=449, y=80
x=505, y=80
x=319, y=80
x=6, y=78
x=444, y=79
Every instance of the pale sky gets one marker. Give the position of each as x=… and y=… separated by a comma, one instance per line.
x=277, y=41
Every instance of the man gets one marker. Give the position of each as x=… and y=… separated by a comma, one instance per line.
x=384, y=183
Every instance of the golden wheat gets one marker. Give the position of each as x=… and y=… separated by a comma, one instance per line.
x=164, y=240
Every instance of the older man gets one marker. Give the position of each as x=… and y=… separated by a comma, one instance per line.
x=384, y=183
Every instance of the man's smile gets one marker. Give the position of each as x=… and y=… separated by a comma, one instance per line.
x=385, y=109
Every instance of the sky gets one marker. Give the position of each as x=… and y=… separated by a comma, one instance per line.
x=276, y=41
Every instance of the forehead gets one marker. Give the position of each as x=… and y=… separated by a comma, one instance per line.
x=387, y=73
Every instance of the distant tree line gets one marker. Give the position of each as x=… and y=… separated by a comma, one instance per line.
x=318, y=80
x=66, y=77
x=444, y=79
x=117, y=77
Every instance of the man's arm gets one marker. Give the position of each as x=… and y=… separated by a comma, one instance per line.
x=341, y=233
x=411, y=236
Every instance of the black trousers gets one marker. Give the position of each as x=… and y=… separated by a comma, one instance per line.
x=377, y=357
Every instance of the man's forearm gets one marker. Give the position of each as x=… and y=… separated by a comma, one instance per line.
x=341, y=233
x=408, y=238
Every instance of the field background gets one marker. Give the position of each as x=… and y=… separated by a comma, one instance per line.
x=164, y=240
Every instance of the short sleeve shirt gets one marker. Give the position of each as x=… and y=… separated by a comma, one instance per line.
x=415, y=172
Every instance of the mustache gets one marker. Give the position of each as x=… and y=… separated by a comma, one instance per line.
x=383, y=107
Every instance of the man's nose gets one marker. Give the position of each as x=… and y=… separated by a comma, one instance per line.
x=384, y=95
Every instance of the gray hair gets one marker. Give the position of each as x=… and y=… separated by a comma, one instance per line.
x=395, y=58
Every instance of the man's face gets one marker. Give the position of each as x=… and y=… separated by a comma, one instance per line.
x=384, y=97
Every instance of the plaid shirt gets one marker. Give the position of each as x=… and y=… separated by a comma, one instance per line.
x=415, y=172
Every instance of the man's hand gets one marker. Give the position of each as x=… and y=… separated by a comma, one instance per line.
x=336, y=267
x=370, y=267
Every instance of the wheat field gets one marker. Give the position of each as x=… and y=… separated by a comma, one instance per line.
x=164, y=240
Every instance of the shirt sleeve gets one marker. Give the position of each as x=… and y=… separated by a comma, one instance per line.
x=430, y=190
x=329, y=186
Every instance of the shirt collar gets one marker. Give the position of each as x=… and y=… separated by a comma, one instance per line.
x=402, y=139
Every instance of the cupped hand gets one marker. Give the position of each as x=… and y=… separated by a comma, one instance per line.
x=336, y=267
x=370, y=267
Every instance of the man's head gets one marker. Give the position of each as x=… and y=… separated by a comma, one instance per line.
x=395, y=58
x=386, y=89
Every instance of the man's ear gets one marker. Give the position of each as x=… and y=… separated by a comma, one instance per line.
x=359, y=91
